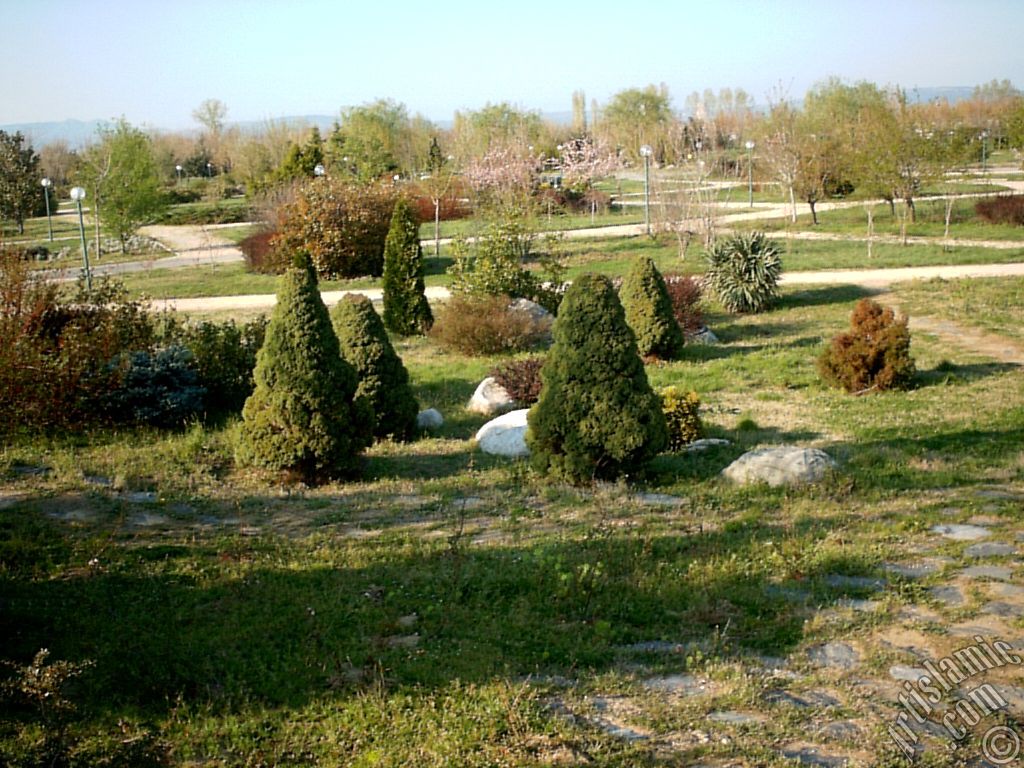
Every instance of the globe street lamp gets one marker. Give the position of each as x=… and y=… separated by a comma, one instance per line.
x=984, y=146
x=78, y=195
x=646, y=152
x=209, y=170
x=46, y=193
x=750, y=172
x=178, y=169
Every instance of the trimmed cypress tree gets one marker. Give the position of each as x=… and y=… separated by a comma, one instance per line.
x=649, y=311
x=383, y=380
x=406, y=311
x=303, y=418
x=597, y=416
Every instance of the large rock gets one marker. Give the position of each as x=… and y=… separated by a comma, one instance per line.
x=429, y=419
x=536, y=312
x=505, y=435
x=541, y=318
x=783, y=465
x=490, y=398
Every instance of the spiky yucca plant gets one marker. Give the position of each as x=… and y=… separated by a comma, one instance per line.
x=743, y=272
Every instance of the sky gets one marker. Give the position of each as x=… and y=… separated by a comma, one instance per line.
x=154, y=61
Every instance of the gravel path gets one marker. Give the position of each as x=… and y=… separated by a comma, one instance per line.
x=868, y=278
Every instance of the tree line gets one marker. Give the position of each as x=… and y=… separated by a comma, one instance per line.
x=840, y=136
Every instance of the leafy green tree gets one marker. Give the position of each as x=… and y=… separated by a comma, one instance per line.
x=597, y=416
x=372, y=140
x=498, y=125
x=131, y=189
x=19, y=179
x=383, y=380
x=649, y=312
x=302, y=159
x=303, y=417
x=406, y=310
x=638, y=116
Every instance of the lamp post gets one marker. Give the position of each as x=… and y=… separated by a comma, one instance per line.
x=646, y=151
x=78, y=195
x=177, y=170
x=46, y=193
x=750, y=172
x=984, y=146
x=209, y=170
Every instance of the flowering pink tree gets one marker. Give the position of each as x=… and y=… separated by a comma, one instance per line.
x=505, y=176
x=584, y=161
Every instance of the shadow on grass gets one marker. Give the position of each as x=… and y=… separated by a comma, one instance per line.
x=794, y=297
x=946, y=373
x=239, y=620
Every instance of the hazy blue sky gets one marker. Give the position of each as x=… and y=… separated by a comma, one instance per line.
x=153, y=61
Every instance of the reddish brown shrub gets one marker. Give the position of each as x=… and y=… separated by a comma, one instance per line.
x=259, y=252
x=873, y=356
x=521, y=379
x=479, y=324
x=685, y=294
x=340, y=224
x=1002, y=210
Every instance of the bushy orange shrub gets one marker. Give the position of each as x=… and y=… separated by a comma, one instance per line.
x=873, y=355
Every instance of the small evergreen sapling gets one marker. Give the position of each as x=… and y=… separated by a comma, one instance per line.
x=383, y=380
x=597, y=416
x=302, y=417
x=406, y=310
x=649, y=311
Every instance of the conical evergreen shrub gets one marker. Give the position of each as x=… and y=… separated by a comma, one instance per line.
x=302, y=417
x=383, y=380
x=406, y=311
x=597, y=416
x=649, y=312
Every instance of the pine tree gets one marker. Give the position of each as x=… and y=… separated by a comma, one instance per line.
x=383, y=380
x=597, y=416
x=303, y=417
x=649, y=312
x=406, y=311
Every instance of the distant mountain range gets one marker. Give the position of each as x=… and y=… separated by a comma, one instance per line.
x=77, y=133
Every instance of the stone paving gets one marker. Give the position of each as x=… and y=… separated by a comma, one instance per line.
x=853, y=698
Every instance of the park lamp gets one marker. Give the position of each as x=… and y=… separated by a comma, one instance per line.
x=646, y=152
x=750, y=172
x=78, y=195
x=46, y=183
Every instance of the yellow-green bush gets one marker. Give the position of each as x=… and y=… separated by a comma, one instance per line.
x=681, y=416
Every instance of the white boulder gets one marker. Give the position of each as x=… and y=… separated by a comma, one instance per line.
x=782, y=465
x=505, y=435
x=429, y=419
x=490, y=398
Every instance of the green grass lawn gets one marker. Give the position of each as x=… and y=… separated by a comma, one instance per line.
x=449, y=608
x=964, y=224
x=993, y=304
